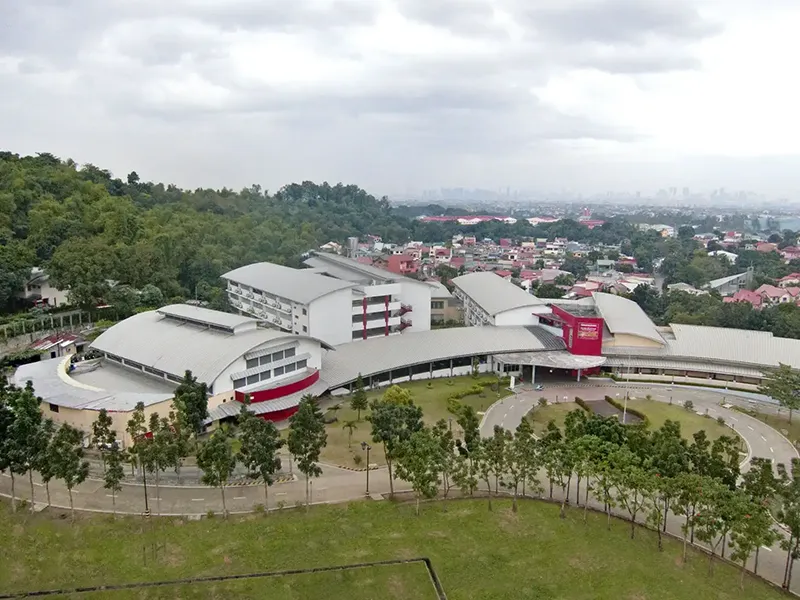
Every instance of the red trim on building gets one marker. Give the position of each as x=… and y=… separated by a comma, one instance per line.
x=364, y=331
x=279, y=415
x=386, y=314
x=280, y=391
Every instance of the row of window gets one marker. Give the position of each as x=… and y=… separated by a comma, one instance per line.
x=277, y=371
x=270, y=358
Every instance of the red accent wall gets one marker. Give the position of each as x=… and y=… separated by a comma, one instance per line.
x=279, y=415
x=364, y=305
x=582, y=335
x=280, y=391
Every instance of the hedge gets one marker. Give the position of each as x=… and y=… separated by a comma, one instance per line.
x=582, y=403
x=620, y=406
x=687, y=383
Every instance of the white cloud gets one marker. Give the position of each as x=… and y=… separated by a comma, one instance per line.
x=393, y=94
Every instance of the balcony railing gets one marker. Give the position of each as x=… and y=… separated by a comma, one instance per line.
x=405, y=308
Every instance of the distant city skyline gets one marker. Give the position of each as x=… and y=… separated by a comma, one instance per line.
x=400, y=95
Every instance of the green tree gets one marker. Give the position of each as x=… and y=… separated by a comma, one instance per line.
x=307, y=438
x=548, y=290
x=359, y=400
x=446, y=459
x=392, y=424
x=468, y=420
x=761, y=486
x=139, y=448
x=690, y=487
x=102, y=434
x=753, y=530
x=217, y=462
x=630, y=480
x=789, y=515
x=418, y=463
x=191, y=402
x=69, y=465
x=350, y=426
x=45, y=462
x=783, y=384
x=113, y=473
x=260, y=443
x=151, y=296
x=24, y=440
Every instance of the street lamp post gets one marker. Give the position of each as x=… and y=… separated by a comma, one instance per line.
x=367, y=447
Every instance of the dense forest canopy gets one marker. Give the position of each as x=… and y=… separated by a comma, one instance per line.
x=86, y=227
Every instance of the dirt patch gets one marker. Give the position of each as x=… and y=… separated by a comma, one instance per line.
x=173, y=556
x=406, y=553
x=397, y=588
x=508, y=520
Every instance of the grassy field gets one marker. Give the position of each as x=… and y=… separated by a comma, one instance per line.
x=392, y=582
x=478, y=555
x=433, y=401
x=657, y=413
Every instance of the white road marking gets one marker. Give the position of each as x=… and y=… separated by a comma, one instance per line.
x=240, y=497
x=733, y=418
x=197, y=500
x=771, y=450
x=109, y=495
x=750, y=428
x=504, y=416
x=765, y=548
x=763, y=438
x=281, y=494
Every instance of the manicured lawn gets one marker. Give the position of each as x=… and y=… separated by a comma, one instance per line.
x=657, y=413
x=433, y=402
x=394, y=582
x=478, y=555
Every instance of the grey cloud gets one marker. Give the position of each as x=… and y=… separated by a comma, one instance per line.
x=621, y=21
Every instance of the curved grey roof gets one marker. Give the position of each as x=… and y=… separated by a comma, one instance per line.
x=623, y=316
x=380, y=354
x=297, y=285
x=174, y=346
x=493, y=293
x=62, y=390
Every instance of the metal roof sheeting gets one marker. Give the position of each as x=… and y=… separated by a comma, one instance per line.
x=207, y=316
x=174, y=347
x=232, y=409
x=55, y=389
x=625, y=317
x=381, y=354
x=493, y=293
x=297, y=285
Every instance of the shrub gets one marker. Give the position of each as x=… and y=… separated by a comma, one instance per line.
x=542, y=401
x=210, y=514
x=281, y=504
x=631, y=411
x=688, y=405
x=721, y=420
x=450, y=382
x=259, y=508
x=357, y=460
x=430, y=385
x=453, y=405
x=580, y=402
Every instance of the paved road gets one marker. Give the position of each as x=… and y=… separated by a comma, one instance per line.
x=339, y=485
x=762, y=440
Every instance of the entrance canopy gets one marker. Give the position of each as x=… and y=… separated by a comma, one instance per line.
x=554, y=359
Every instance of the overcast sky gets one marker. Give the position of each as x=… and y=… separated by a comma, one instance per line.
x=406, y=94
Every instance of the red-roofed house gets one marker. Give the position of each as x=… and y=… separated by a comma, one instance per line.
x=745, y=296
x=56, y=346
x=402, y=264
x=790, y=252
x=766, y=247
x=505, y=274
x=776, y=295
x=505, y=242
x=790, y=280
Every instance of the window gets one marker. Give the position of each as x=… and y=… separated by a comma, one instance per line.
x=277, y=356
x=290, y=367
x=288, y=353
x=301, y=364
x=305, y=312
x=253, y=379
x=305, y=329
x=437, y=304
x=266, y=375
x=279, y=371
x=237, y=383
x=54, y=408
x=265, y=360
x=252, y=362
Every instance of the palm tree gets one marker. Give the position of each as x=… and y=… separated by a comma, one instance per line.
x=335, y=409
x=350, y=426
